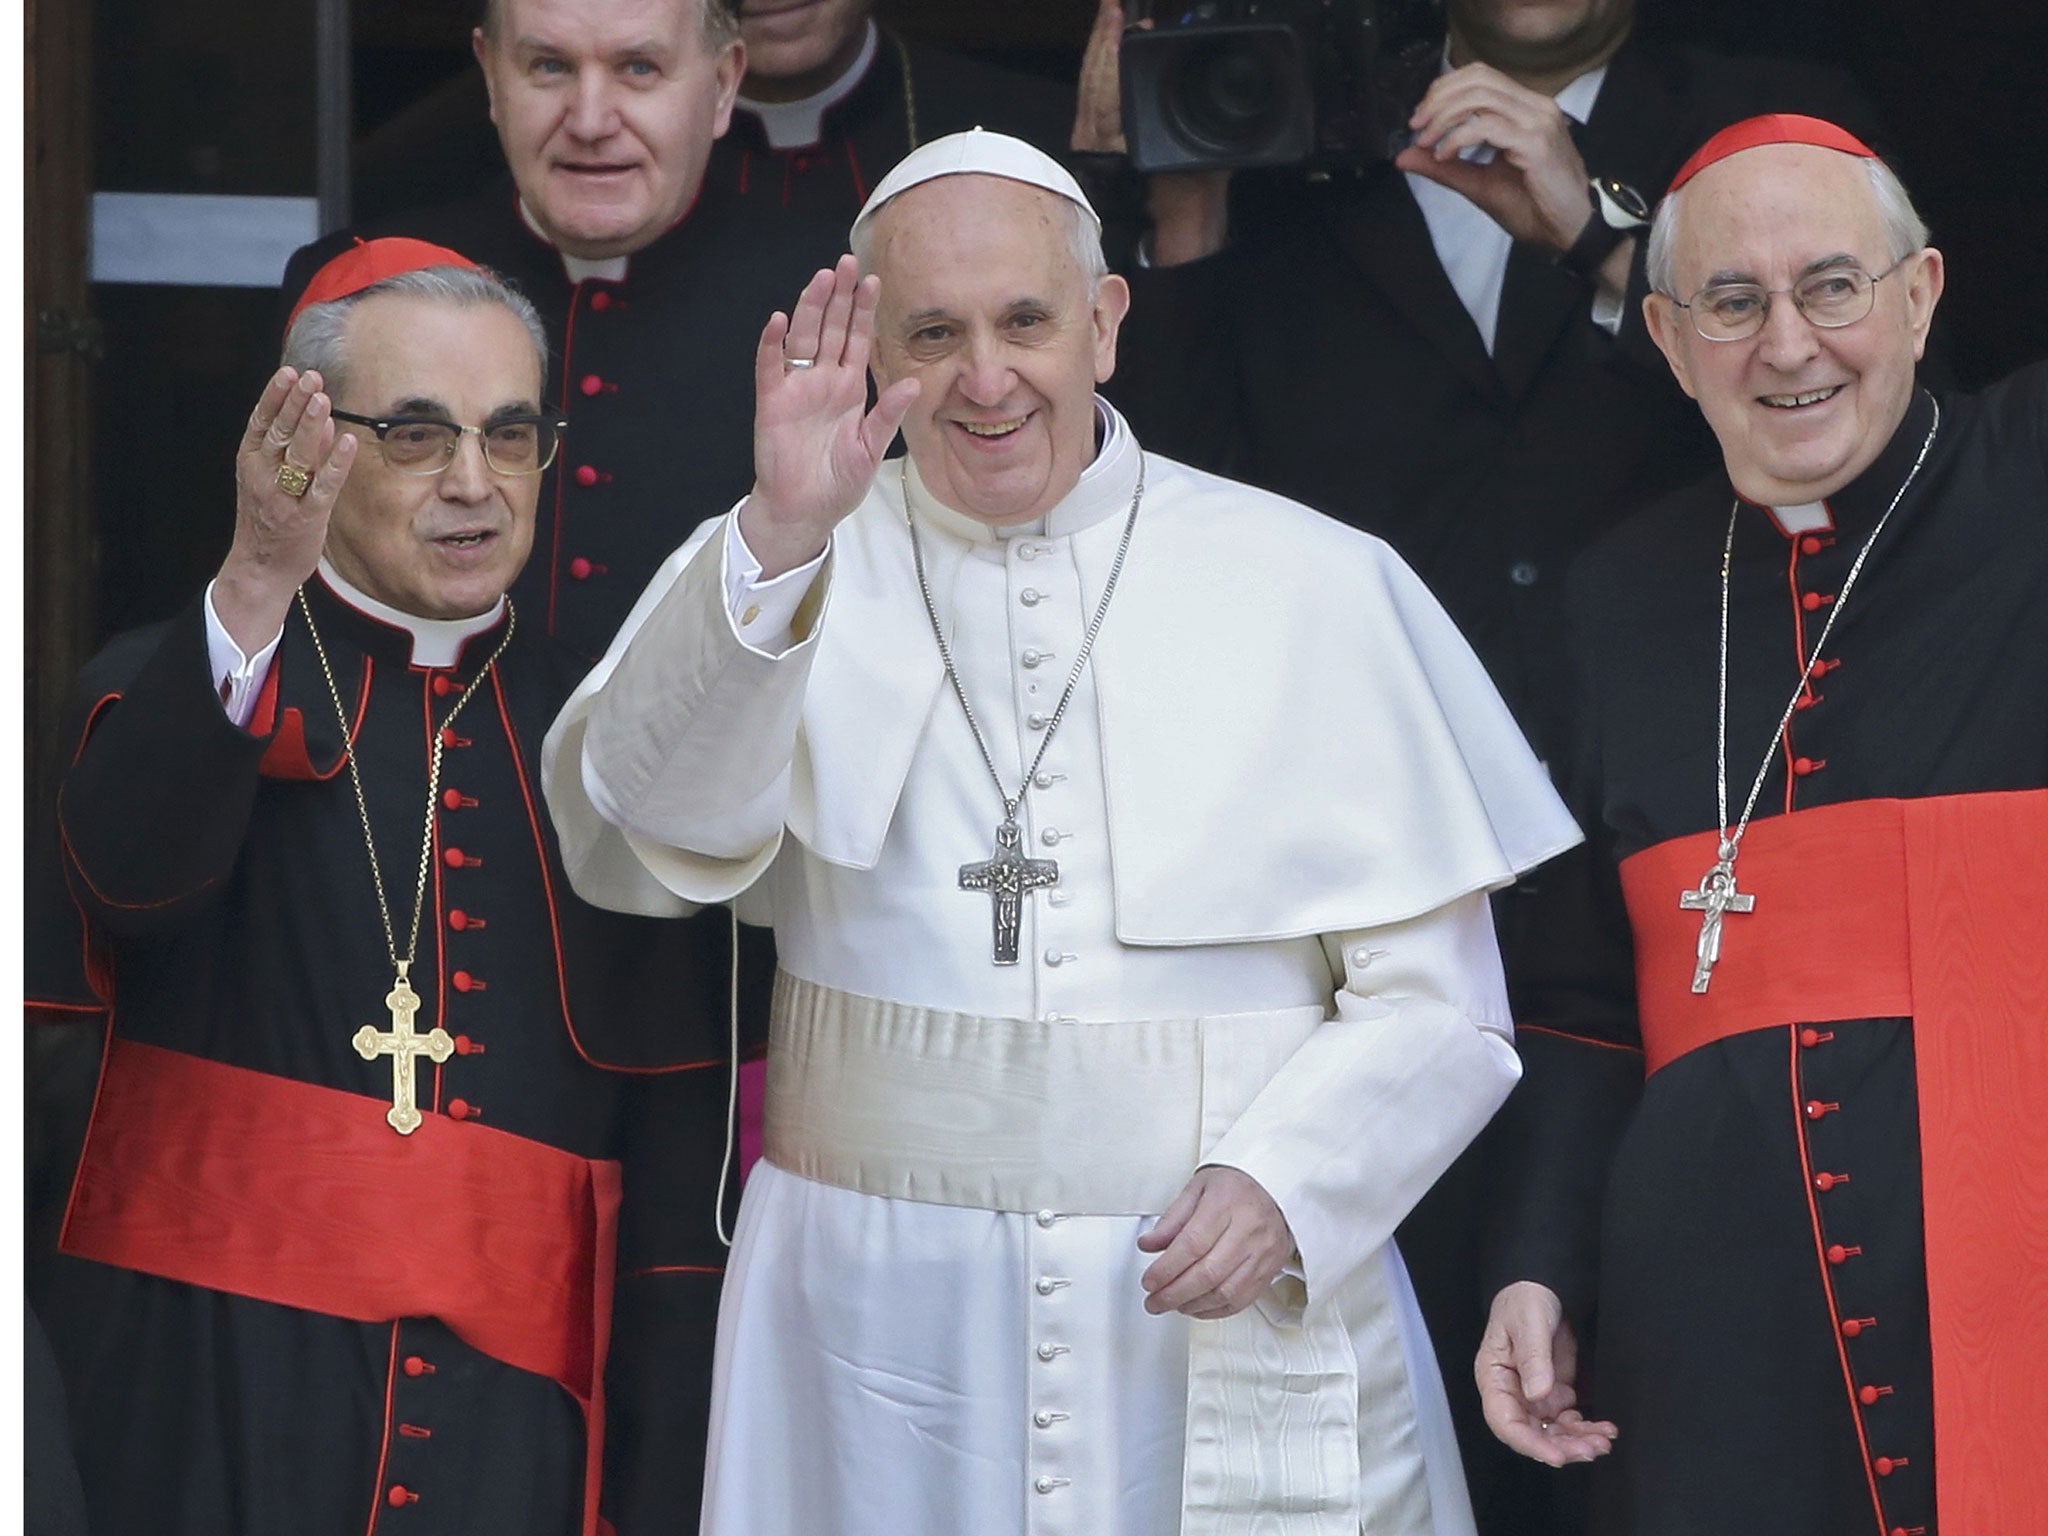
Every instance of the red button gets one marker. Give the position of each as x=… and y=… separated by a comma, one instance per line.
x=464, y=1045
x=443, y=685
x=1868, y=1395
x=415, y=1366
x=464, y=982
x=453, y=858
x=1809, y=1037
x=1837, y=1254
x=1883, y=1466
x=458, y=1109
x=1803, y=766
x=453, y=799
x=591, y=384
x=1811, y=601
x=1809, y=545
x=458, y=919
x=580, y=568
x=586, y=474
x=600, y=300
x=1815, y=1109
x=399, y=1496
x=1851, y=1326
x=1823, y=1182
x=450, y=739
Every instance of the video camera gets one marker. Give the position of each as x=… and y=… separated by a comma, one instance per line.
x=1325, y=84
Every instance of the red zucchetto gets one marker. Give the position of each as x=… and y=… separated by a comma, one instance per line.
x=1771, y=128
x=371, y=261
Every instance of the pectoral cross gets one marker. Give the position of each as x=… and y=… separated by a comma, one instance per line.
x=1006, y=876
x=1716, y=895
x=402, y=1046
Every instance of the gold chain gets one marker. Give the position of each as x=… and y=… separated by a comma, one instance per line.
x=909, y=89
x=355, y=776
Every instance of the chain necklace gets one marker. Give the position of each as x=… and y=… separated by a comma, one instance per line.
x=400, y=1043
x=909, y=89
x=1717, y=894
x=1007, y=874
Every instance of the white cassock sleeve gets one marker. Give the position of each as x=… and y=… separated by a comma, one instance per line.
x=1377, y=1103
x=667, y=772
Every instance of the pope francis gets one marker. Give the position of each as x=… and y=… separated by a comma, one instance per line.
x=1127, y=835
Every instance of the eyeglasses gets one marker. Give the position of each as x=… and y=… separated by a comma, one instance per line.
x=425, y=445
x=1830, y=298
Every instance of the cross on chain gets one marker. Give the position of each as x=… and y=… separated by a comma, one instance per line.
x=1006, y=876
x=402, y=1045
x=1717, y=895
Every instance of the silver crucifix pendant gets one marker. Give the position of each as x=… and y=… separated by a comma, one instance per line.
x=1006, y=876
x=1717, y=895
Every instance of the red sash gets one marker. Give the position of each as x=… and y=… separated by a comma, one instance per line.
x=296, y=1194
x=1937, y=910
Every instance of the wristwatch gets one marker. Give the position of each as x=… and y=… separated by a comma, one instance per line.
x=1618, y=212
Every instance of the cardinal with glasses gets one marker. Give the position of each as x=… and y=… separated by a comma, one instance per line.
x=1779, y=1139
x=1127, y=835
x=373, y=1180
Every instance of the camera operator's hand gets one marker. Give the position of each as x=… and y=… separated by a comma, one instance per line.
x=1535, y=185
x=1190, y=210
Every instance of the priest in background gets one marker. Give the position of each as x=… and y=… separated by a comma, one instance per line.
x=1794, y=1012
x=1127, y=833
x=369, y=1141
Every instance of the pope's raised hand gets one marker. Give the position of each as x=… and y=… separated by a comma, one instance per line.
x=816, y=445
x=288, y=472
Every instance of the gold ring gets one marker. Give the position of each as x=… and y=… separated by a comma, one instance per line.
x=293, y=480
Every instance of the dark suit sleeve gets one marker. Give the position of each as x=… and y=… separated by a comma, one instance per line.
x=1572, y=987
x=155, y=805
x=1176, y=379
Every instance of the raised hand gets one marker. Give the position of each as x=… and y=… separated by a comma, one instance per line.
x=288, y=472
x=1220, y=1244
x=816, y=445
x=1098, y=104
x=1527, y=1370
x=1535, y=185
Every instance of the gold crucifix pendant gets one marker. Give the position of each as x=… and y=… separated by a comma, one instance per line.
x=403, y=1046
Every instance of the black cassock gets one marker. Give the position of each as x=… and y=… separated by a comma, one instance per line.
x=231, y=922
x=1757, y=1250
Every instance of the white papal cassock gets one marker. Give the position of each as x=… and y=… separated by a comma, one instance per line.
x=1282, y=779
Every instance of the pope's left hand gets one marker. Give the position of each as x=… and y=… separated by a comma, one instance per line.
x=1220, y=1244
x=1535, y=185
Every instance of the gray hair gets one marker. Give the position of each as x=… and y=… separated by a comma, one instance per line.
x=1904, y=230
x=1084, y=239
x=318, y=339
x=717, y=20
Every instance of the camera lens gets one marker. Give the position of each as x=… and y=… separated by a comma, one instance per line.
x=1229, y=93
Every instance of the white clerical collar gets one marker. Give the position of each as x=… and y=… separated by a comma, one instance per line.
x=794, y=124
x=1104, y=490
x=1807, y=517
x=612, y=269
x=435, y=642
